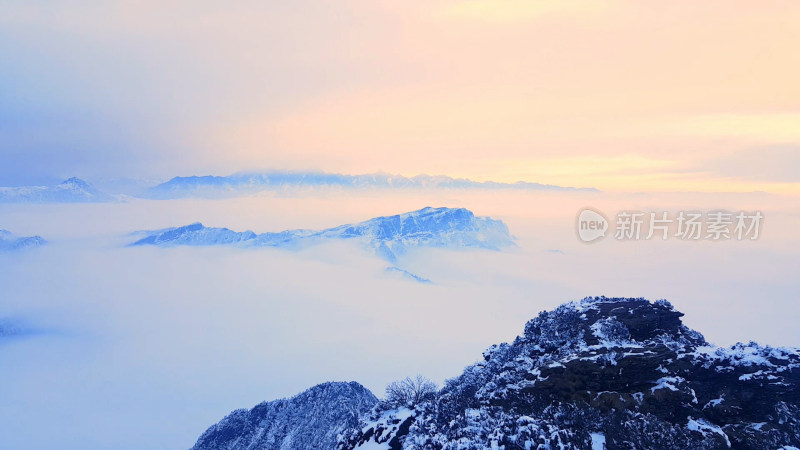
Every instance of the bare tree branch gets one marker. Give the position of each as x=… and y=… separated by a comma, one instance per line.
x=410, y=392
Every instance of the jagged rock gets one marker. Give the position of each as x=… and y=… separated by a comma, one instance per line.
x=616, y=373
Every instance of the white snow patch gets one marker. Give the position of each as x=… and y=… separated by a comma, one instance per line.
x=372, y=445
x=666, y=383
x=598, y=441
x=705, y=427
x=714, y=402
x=758, y=375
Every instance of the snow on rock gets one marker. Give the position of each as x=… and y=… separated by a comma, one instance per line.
x=382, y=429
x=704, y=427
x=388, y=236
x=73, y=190
x=621, y=373
x=10, y=242
x=613, y=373
x=248, y=183
x=313, y=419
x=666, y=383
x=598, y=441
x=195, y=234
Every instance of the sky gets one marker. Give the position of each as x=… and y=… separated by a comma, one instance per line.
x=618, y=95
x=661, y=106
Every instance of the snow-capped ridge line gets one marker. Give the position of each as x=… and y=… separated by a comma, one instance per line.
x=388, y=236
x=71, y=190
x=247, y=183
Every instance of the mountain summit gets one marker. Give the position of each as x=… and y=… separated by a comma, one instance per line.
x=614, y=373
x=601, y=373
x=72, y=190
x=11, y=242
x=387, y=236
x=313, y=419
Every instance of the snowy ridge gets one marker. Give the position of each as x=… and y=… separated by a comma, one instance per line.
x=241, y=184
x=311, y=420
x=601, y=373
x=194, y=234
x=10, y=242
x=73, y=190
x=616, y=373
x=388, y=236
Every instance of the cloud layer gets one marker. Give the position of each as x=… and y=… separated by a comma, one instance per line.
x=156, y=343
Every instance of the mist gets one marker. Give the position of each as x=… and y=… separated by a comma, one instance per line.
x=145, y=347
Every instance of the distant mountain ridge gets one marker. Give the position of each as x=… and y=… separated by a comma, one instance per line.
x=11, y=242
x=72, y=190
x=76, y=190
x=313, y=419
x=239, y=184
x=388, y=236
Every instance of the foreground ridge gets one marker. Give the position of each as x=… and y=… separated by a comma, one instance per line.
x=616, y=373
x=600, y=373
x=310, y=420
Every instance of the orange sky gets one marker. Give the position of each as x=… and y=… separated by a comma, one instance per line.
x=618, y=95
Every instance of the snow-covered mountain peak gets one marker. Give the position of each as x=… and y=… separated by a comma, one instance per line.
x=11, y=242
x=75, y=183
x=621, y=373
x=388, y=236
x=620, y=322
x=195, y=234
x=72, y=190
x=313, y=419
x=601, y=373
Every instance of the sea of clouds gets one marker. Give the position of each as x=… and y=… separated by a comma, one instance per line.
x=122, y=347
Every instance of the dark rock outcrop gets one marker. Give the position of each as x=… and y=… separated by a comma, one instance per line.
x=614, y=373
